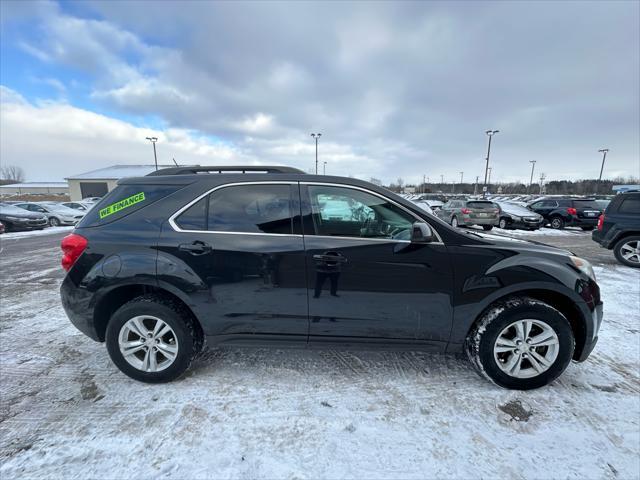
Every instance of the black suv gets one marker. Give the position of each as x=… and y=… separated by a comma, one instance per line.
x=568, y=212
x=619, y=228
x=257, y=255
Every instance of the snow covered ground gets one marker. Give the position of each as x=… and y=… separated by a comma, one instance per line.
x=66, y=411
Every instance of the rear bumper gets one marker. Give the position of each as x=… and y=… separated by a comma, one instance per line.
x=479, y=221
x=77, y=305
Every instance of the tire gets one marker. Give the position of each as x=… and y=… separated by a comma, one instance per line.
x=557, y=223
x=499, y=319
x=54, y=222
x=487, y=228
x=454, y=222
x=587, y=229
x=184, y=338
x=625, y=247
x=503, y=223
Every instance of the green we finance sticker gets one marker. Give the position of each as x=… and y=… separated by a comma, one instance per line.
x=121, y=205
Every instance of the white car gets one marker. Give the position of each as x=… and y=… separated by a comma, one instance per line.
x=82, y=206
x=56, y=214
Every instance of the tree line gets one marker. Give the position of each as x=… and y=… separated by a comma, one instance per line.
x=552, y=187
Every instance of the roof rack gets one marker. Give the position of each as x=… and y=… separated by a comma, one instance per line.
x=220, y=169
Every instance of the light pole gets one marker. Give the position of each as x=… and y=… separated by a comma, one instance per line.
x=475, y=187
x=533, y=165
x=324, y=168
x=490, y=133
x=316, y=136
x=461, y=176
x=604, y=156
x=490, y=168
x=441, y=179
x=153, y=140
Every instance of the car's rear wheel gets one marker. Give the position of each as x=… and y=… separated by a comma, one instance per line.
x=502, y=223
x=627, y=251
x=486, y=228
x=153, y=339
x=454, y=222
x=557, y=223
x=521, y=343
x=54, y=222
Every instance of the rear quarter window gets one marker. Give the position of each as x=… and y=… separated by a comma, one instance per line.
x=630, y=205
x=123, y=201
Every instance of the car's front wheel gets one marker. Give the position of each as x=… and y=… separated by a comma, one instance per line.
x=502, y=223
x=627, y=251
x=521, y=343
x=54, y=222
x=454, y=222
x=153, y=339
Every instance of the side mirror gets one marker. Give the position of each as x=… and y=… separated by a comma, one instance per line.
x=421, y=233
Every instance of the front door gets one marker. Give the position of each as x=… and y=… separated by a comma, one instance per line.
x=235, y=256
x=366, y=280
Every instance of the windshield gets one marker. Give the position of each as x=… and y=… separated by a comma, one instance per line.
x=586, y=204
x=11, y=210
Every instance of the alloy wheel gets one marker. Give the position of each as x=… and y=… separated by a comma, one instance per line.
x=54, y=222
x=148, y=343
x=630, y=251
x=526, y=348
x=503, y=223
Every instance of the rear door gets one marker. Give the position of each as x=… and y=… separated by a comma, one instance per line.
x=544, y=207
x=235, y=254
x=367, y=282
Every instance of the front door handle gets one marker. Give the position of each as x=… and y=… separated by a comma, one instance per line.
x=330, y=258
x=195, y=248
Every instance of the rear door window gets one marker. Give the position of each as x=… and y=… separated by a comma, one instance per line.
x=251, y=209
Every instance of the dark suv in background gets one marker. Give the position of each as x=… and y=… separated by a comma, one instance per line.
x=270, y=255
x=619, y=228
x=568, y=212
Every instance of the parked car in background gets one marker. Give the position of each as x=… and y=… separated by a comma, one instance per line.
x=424, y=205
x=619, y=228
x=82, y=206
x=15, y=218
x=464, y=213
x=514, y=215
x=56, y=214
x=92, y=199
x=568, y=212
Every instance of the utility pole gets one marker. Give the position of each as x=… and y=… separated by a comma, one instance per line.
x=490, y=134
x=424, y=184
x=316, y=136
x=533, y=165
x=324, y=168
x=461, y=176
x=441, y=179
x=604, y=156
x=153, y=140
x=475, y=187
x=542, y=176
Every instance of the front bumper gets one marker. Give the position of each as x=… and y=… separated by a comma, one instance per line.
x=591, y=343
x=526, y=224
x=28, y=224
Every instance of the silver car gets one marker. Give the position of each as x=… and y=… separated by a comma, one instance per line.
x=464, y=213
x=56, y=214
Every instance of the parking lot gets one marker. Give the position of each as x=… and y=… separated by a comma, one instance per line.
x=66, y=411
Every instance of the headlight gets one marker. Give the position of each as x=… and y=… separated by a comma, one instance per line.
x=515, y=217
x=584, y=266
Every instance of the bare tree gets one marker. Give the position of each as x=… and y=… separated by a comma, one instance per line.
x=13, y=173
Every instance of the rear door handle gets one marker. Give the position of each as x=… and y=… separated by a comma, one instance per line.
x=195, y=248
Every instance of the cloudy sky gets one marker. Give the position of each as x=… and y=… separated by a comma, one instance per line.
x=397, y=89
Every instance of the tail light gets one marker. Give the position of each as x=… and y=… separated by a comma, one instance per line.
x=601, y=221
x=572, y=211
x=72, y=246
x=466, y=211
